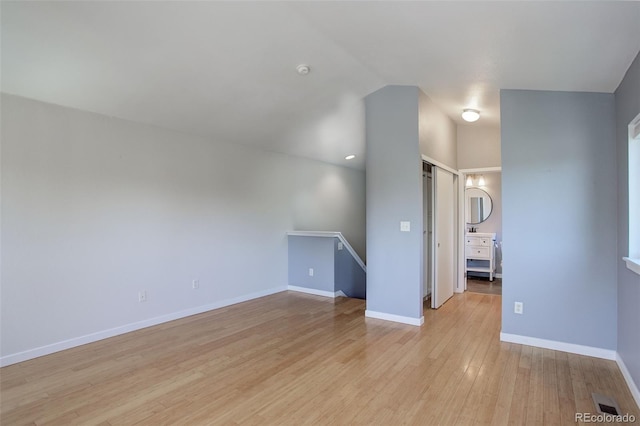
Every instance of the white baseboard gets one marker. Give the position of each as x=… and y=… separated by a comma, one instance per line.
x=559, y=346
x=627, y=377
x=313, y=291
x=498, y=276
x=105, y=334
x=394, y=318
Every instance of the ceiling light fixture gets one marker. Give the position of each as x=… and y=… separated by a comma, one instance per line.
x=303, y=69
x=470, y=115
x=350, y=157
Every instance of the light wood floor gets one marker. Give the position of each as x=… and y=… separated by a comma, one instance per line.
x=484, y=286
x=292, y=358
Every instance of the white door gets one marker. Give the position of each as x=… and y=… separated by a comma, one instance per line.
x=427, y=207
x=444, y=235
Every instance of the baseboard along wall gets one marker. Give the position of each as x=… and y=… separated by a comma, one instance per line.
x=316, y=292
x=394, y=318
x=579, y=350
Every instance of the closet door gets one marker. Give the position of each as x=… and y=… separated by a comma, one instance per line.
x=444, y=234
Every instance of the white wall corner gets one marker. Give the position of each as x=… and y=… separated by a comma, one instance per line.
x=394, y=318
x=633, y=387
x=112, y=332
x=559, y=346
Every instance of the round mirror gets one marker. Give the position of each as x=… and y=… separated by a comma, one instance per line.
x=478, y=205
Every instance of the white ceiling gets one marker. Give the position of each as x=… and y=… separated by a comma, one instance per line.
x=227, y=69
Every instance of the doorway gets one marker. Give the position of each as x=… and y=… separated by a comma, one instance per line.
x=427, y=233
x=482, y=274
x=440, y=207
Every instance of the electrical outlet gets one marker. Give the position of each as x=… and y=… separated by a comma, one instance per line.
x=340, y=245
x=405, y=226
x=195, y=284
x=142, y=296
x=518, y=308
x=310, y=272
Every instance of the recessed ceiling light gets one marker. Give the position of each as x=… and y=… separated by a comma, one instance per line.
x=350, y=157
x=303, y=69
x=470, y=115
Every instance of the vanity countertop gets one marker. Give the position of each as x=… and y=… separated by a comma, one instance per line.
x=491, y=235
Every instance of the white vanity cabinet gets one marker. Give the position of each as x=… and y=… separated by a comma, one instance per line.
x=480, y=253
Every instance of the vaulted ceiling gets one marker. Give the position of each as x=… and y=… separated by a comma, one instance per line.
x=227, y=70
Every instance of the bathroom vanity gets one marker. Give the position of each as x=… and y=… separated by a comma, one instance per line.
x=480, y=253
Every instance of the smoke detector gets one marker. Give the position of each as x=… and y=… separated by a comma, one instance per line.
x=303, y=69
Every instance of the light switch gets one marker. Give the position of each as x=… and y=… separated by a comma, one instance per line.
x=405, y=226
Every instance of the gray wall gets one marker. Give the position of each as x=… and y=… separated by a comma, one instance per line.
x=394, y=194
x=627, y=107
x=478, y=146
x=329, y=201
x=559, y=216
x=437, y=133
x=350, y=278
x=95, y=209
x=316, y=253
x=334, y=268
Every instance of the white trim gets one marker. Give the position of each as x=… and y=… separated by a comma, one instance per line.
x=326, y=234
x=632, y=264
x=559, y=346
x=439, y=164
x=634, y=128
x=461, y=260
x=331, y=234
x=340, y=293
x=635, y=392
x=633, y=258
x=105, y=334
x=315, y=292
x=394, y=318
x=498, y=276
x=481, y=170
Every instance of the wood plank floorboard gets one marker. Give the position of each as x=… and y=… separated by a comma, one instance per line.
x=484, y=286
x=296, y=359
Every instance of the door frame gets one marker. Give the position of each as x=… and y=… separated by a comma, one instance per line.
x=427, y=255
x=462, y=215
x=460, y=283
